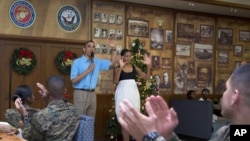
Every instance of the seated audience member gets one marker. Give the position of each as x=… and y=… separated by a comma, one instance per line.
x=24, y=92
x=161, y=121
x=191, y=94
x=204, y=95
x=56, y=122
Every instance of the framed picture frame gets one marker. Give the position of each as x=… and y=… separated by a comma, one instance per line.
x=112, y=18
x=207, y=31
x=119, y=19
x=225, y=36
x=185, y=30
x=169, y=36
x=244, y=36
x=247, y=50
x=156, y=38
x=183, y=49
x=238, y=50
x=138, y=28
x=223, y=57
x=97, y=32
x=166, y=63
x=204, y=73
x=97, y=17
x=156, y=62
x=203, y=52
x=104, y=18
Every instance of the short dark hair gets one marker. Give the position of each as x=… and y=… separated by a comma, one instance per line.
x=56, y=86
x=23, y=92
x=124, y=51
x=205, y=89
x=189, y=93
x=240, y=80
x=86, y=42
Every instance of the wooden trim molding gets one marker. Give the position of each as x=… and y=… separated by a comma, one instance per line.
x=40, y=39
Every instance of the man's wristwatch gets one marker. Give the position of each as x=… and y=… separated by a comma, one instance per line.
x=151, y=136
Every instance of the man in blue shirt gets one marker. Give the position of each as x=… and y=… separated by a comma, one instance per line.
x=84, y=76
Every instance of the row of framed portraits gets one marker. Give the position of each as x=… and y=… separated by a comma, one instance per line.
x=204, y=52
x=140, y=28
x=103, y=17
x=105, y=33
x=104, y=49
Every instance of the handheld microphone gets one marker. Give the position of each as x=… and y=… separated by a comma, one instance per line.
x=92, y=56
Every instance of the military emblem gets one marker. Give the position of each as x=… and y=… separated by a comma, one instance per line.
x=22, y=14
x=68, y=18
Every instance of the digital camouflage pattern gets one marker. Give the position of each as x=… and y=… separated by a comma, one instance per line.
x=57, y=122
x=13, y=117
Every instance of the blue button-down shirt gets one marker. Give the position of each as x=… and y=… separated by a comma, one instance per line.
x=90, y=80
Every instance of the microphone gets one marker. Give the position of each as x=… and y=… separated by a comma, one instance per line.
x=92, y=56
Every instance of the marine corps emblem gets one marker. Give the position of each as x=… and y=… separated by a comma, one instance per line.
x=22, y=14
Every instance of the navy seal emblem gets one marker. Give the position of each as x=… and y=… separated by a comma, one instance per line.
x=68, y=18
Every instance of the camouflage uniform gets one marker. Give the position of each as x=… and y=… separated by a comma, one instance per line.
x=222, y=134
x=57, y=122
x=13, y=117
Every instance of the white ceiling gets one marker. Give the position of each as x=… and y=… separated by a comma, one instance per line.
x=243, y=11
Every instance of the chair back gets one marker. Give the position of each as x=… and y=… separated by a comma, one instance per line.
x=85, y=130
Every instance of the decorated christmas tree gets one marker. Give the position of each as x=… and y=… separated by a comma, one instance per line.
x=147, y=87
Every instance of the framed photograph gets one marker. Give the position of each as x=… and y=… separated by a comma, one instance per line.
x=118, y=34
x=185, y=30
x=238, y=49
x=119, y=19
x=97, y=32
x=191, y=67
x=97, y=17
x=97, y=48
x=156, y=38
x=138, y=28
x=111, y=32
x=104, y=49
x=225, y=36
x=112, y=18
x=223, y=57
x=204, y=73
x=183, y=49
x=203, y=52
x=169, y=36
x=244, y=35
x=104, y=17
x=155, y=62
x=166, y=84
x=166, y=63
x=104, y=33
x=247, y=50
x=207, y=31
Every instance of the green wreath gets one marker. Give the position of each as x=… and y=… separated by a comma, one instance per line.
x=23, y=61
x=64, y=61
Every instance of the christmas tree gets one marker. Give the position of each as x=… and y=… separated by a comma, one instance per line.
x=147, y=87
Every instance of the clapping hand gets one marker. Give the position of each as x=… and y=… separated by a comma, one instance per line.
x=42, y=90
x=19, y=106
x=166, y=117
